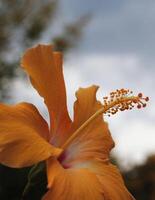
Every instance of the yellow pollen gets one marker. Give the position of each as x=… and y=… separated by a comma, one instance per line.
x=118, y=100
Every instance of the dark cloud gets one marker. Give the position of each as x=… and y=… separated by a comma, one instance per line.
x=117, y=26
x=74, y=7
x=128, y=30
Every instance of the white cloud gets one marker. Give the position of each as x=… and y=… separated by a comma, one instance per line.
x=135, y=140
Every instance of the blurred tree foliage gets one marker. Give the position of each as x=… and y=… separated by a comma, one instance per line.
x=24, y=23
x=141, y=180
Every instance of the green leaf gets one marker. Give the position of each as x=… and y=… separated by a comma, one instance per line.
x=37, y=182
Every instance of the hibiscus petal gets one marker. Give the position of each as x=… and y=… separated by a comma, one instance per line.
x=22, y=136
x=94, y=141
x=111, y=181
x=97, y=181
x=72, y=184
x=45, y=70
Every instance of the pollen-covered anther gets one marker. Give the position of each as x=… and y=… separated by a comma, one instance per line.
x=146, y=98
x=123, y=99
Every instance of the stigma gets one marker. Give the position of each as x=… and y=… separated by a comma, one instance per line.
x=123, y=99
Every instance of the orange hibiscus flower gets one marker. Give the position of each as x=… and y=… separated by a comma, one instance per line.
x=76, y=152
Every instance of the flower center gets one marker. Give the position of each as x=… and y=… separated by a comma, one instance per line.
x=61, y=160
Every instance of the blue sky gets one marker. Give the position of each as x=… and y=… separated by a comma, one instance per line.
x=117, y=50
